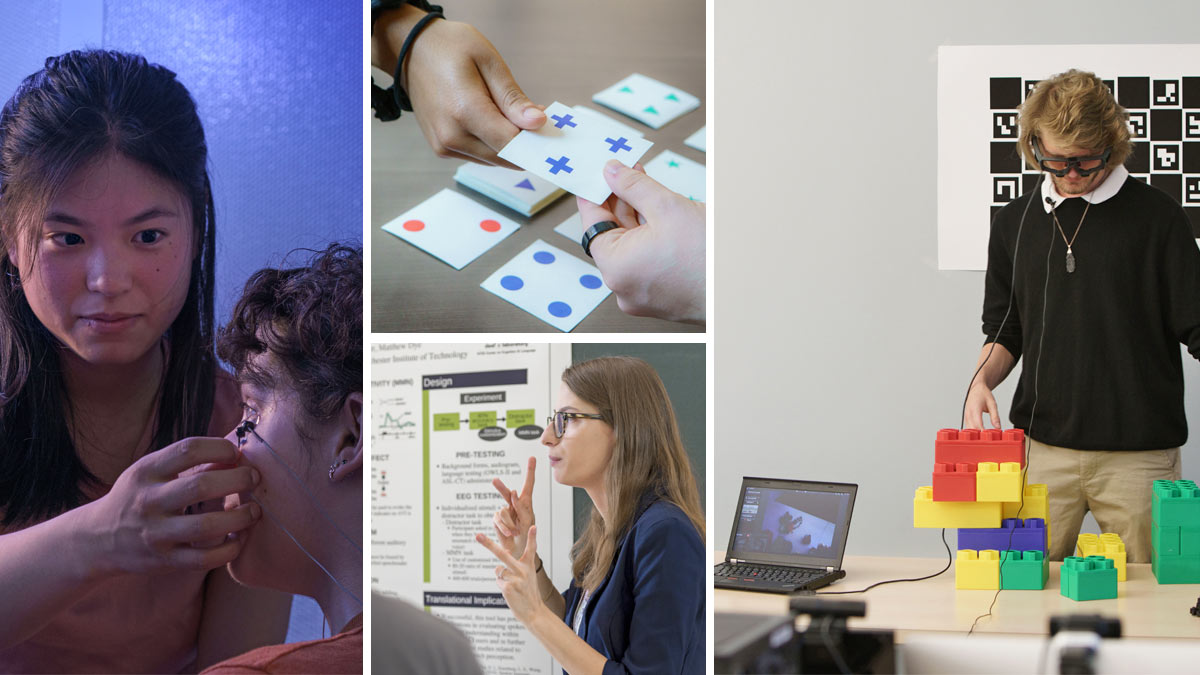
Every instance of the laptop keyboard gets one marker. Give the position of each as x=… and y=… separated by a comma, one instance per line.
x=767, y=572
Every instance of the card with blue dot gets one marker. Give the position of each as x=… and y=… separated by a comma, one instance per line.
x=678, y=174
x=647, y=100
x=452, y=227
x=549, y=283
x=571, y=149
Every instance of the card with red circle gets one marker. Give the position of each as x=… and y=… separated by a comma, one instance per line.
x=549, y=283
x=452, y=228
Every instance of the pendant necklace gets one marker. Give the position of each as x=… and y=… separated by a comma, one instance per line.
x=1070, y=253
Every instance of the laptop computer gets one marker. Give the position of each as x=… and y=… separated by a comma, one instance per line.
x=788, y=536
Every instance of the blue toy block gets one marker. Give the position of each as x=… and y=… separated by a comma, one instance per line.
x=1090, y=578
x=1013, y=534
x=1175, y=503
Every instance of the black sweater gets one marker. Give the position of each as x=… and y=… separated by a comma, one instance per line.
x=1109, y=375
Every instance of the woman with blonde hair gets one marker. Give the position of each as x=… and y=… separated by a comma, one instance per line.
x=636, y=599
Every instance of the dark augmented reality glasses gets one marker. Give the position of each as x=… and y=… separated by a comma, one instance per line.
x=1061, y=166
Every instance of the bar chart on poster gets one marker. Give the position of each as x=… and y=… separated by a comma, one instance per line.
x=446, y=421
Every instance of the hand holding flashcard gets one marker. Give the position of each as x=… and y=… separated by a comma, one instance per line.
x=654, y=262
x=570, y=151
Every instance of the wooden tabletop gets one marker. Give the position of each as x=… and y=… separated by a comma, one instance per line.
x=1146, y=609
x=558, y=52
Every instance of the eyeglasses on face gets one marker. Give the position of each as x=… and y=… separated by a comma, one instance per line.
x=558, y=420
x=1061, y=166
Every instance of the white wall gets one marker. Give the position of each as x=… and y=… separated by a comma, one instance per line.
x=840, y=349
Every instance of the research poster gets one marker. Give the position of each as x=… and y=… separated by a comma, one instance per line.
x=979, y=91
x=447, y=419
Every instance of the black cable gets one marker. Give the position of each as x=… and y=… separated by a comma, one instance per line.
x=949, y=561
x=1028, y=438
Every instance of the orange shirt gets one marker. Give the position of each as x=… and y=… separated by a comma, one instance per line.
x=341, y=653
x=129, y=624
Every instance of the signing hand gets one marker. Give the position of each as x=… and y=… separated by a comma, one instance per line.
x=143, y=521
x=513, y=520
x=654, y=263
x=516, y=577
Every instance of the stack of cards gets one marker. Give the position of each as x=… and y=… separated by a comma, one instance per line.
x=571, y=150
x=647, y=100
x=452, y=228
x=549, y=283
x=520, y=191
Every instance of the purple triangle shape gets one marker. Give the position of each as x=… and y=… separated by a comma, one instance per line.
x=525, y=184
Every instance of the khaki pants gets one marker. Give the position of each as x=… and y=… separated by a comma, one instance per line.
x=1113, y=484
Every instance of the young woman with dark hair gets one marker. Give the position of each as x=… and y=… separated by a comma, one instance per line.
x=109, y=384
x=636, y=600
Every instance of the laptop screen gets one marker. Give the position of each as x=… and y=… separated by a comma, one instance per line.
x=792, y=522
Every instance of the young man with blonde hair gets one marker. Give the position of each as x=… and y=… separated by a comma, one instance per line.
x=1093, y=277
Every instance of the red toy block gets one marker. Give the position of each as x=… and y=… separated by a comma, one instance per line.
x=972, y=446
x=953, y=482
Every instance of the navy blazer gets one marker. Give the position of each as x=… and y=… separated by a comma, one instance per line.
x=648, y=614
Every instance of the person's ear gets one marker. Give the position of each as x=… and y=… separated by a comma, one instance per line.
x=348, y=455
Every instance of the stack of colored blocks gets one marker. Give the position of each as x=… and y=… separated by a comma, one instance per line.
x=1090, y=578
x=981, y=570
x=1175, y=538
x=977, y=488
x=1108, y=545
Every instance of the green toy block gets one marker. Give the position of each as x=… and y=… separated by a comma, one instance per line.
x=1189, y=541
x=1175, y=503
x=1024, y=570
x=1164, y=539
x=1090, y=578
x=1175, y=569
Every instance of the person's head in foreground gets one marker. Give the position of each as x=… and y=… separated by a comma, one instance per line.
x=614, y=434
x=1071, y=124
x=295, y=344
x=106, y=227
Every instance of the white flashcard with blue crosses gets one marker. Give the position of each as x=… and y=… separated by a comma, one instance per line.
x=572, y=228
x=647, y=100
x=678, y=174
x=451, y=227
x=591, y=114
x=570, y=151
x=697, y=140
x=520, y=191
x=980, y=91
x=549, y=283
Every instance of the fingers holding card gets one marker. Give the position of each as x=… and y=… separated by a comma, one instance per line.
x=571, y=149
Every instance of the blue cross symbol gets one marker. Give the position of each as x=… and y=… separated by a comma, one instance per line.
x=559, y=164
x=618, y=144
x=563, y=121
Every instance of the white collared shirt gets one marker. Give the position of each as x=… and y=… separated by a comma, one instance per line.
x=1109, y=188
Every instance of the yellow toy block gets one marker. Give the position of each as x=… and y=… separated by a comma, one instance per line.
x=998, y=482
x=1108, y=545
x=1036, y=505
x=977, y=570
x=928, y=513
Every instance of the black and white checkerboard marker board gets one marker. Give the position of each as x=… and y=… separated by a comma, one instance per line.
x=1164, y=120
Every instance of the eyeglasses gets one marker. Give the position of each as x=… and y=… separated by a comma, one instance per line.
x=1061, y=166
x=559, y=420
